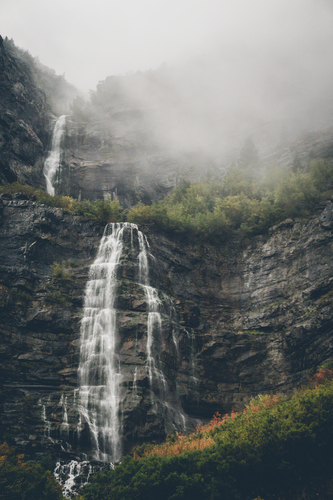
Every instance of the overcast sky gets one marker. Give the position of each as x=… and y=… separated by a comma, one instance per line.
x=89, y=40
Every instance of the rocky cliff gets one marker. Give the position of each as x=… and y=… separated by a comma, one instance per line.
x=250, y=318
x=246, y=318
x=24, y=121
x=115, y=158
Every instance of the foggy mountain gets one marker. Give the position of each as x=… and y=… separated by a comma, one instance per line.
x=179, y=264
x=214, y=100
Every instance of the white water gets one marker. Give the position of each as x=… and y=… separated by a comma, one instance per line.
x=99, y=372
x=47, y=423
x=157, y=380
x=52, y=162
x=100, y=398
x=73, y=476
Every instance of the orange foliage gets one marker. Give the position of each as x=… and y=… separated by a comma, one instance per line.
x=201, y=439
x=322, y=376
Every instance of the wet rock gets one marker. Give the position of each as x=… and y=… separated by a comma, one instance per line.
x=237, y=321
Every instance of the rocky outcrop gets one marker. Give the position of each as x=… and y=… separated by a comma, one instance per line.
x=251, y=317
x=24, y=122
x=40, y=310
x=44, y=258
x=115, y=158
x=265, y=316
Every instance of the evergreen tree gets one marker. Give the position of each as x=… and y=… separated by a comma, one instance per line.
x=249, y=155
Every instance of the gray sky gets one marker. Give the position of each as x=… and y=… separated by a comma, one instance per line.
x=89, y=40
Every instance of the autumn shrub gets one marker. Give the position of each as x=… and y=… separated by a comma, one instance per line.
x=276, y=448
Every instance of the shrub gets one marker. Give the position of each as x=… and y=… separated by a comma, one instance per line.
x=275, y=448
x=21, y=480
x=61, y=272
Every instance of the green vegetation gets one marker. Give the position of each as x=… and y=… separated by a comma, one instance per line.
x=276, y=448
x=255, y=332
x=20, y=480
x=62, y=272
x=246, y=203
x=20, y=296
x=98, y=211
x=57, y=298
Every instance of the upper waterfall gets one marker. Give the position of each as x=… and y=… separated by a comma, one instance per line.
x=52, y=162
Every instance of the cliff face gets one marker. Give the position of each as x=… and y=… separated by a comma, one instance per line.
x=116, y=158
x=40, y=313
x=249, y=318
x=265, y=310
x=243, y=319
x=24, y=122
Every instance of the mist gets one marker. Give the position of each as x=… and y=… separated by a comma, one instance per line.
x=273, y=73
x=203, y=76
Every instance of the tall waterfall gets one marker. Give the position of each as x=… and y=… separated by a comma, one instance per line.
x=102, y=385
x=52, y=162
x=99, y=371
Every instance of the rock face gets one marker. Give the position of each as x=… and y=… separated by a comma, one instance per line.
x=24, y=122
x=265, y=310
x=40, y=312
x=249, y=318
x=114, y=158
x=45, y=257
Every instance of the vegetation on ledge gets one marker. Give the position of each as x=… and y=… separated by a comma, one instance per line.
x=98, y=211
x=246, y=203
x=276, y=448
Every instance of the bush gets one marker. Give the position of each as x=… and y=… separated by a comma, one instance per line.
x=276, y=448
x=21, y=480
x=243, y=205
x=99, y=211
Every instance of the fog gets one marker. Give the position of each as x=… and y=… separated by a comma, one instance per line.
x=220, y=71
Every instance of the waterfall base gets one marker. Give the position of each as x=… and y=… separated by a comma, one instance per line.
x=73, y=475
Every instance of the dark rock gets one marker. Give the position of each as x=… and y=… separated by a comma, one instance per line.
x=326, y=218
x=24, y=122
x=117, y=158
x=246, y=320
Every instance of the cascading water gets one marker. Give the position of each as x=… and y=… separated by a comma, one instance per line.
x=52, y=162
x=123, y=370
x=157, y=379
x=99, y=374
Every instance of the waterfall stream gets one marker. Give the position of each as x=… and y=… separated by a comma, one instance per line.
x=121, y=371
x=100, y=372
x=52, y=162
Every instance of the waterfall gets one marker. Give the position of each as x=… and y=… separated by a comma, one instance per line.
x=51, y=164
x=99, y=373
x=157, y=379
x=105, y=392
